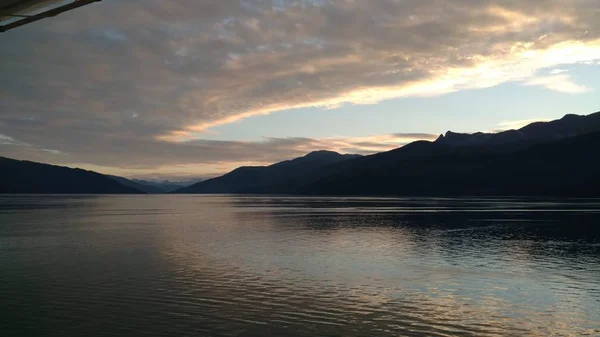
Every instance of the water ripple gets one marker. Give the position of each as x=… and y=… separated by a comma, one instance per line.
x=282, y=266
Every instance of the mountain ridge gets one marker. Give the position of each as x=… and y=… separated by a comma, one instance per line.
x=27, y=177
x=537, y=132
x=561, y=168
x=421, y=157
x=247, y=177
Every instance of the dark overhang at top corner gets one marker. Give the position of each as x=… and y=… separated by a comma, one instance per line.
x=16, y=13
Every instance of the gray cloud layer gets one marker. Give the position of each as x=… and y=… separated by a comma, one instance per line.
x=124, y=83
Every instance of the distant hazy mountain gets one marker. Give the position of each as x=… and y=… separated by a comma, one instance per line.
x=167, y=186
x=138, y=185
x=18, y=176
x=245, y=179
x=540, y=132
x=568, y=167
x=154, y=187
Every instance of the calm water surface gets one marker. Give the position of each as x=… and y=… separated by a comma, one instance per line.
x=279, y=266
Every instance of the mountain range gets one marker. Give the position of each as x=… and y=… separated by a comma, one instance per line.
x=542, y=158
x=568, y=167
x=557, y=158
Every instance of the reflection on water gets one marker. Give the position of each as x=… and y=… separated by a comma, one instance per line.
x=282, y=266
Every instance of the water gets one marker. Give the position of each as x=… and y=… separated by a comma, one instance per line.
x=279, y=266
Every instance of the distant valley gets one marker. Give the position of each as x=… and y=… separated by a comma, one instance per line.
x=152, y=186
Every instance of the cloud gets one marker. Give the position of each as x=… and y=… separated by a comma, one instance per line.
x=560, y=82
x=6, y=140
x=55, y=152
x=517, y=124
x=138, y=83
x=17, y=146
x=558, y=71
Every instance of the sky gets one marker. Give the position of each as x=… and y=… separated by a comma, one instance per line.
x=194, y=88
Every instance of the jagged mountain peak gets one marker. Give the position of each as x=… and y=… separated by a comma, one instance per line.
x=570, y=125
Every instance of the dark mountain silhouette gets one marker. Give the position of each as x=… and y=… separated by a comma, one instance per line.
x=568, y=167
x=17, y=176
x=138, y=185
x=247, y=178
x=480, y=164
x=546, y=159
x=535, y=133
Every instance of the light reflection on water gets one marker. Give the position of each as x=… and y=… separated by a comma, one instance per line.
x=284, y=266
